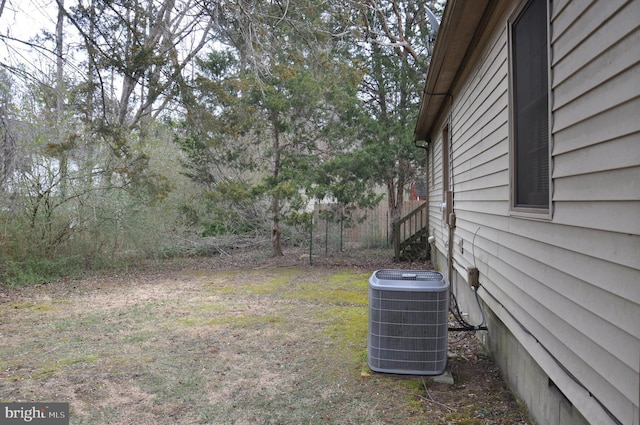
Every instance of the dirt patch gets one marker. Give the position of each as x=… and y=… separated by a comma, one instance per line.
x=229, y=340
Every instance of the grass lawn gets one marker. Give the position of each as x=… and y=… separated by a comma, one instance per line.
x=275, y=345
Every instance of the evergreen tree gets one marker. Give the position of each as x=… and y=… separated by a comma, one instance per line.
x=270, y=123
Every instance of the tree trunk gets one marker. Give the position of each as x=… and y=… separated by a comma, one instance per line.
x=8, y=148
x=395, y=191
x=276, y=232
x=60, y=98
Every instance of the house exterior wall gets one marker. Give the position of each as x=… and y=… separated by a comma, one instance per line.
x=562, y=296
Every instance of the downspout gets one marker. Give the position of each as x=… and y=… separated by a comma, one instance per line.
x=426, y=150
x=450, y=213
x=450, y=242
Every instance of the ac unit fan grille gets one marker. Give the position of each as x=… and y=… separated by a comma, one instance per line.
x=408, y=329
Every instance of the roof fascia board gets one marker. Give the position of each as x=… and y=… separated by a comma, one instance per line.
x=458, y=29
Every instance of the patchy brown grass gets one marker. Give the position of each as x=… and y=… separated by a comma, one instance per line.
x=229, y=340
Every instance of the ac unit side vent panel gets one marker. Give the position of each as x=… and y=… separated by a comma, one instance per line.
x=408, y=322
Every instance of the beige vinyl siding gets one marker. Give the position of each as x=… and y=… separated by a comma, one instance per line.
x=596, y=127
x=599, y=185
x=620, y=153
x=620, y=217
x=607, y=126
x=595, y=72
x=581, y=258
x=480, y=139
x=435, y=190
x=573, y=281
x=587, y=29
x=606, y=96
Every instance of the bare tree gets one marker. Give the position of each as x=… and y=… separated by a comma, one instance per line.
x=146, y=45
x=7, y=149
x=397, y=34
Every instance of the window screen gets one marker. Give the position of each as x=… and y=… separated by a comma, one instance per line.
x=530, y=112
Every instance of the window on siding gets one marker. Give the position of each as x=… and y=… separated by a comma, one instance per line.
x=530, y=107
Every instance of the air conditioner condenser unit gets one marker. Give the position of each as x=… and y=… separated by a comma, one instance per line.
x=408, y=322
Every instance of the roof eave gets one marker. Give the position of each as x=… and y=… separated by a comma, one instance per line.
x=459, y=27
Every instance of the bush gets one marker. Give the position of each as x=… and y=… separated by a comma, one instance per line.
x=35, y=270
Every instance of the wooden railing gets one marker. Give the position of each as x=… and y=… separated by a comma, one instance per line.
x=410, y=231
